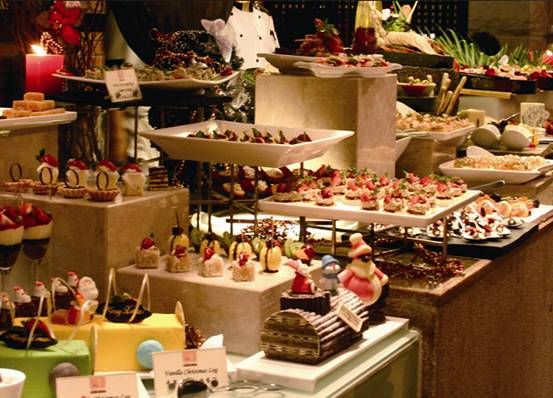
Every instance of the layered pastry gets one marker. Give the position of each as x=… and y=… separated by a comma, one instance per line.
x=158, y=179
x=303, y=293
x=270, y=256
x=238, y=246
x=148, y=254
x=39, y=291
x=22, y=302
x=134, y=180
x=38, y=231
x=48, y=173
x=297, y=335
x=11, y=237
x=47, y=358
x=211, y=265
x=243, y=269
x=325, y=197
x=178, y=260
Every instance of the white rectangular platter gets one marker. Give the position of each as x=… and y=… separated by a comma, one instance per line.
x=169, y=84
x=489, y=175
x=333, y=72
x=439, y=136
x=175, y=141
x=306, y=377
x=342, y=211
x=19, y=123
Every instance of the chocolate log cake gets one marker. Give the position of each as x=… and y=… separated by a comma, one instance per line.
x=296, y=335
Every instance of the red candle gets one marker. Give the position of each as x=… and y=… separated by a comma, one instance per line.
x=39, y=69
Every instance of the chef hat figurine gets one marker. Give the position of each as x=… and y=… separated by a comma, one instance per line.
x=365, y=280
x=330, y=269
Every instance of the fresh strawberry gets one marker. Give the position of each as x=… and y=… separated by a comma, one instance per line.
x=25, y=209
x=208, y=253
x=534, y=75
x=12, y=213
x=247, y=185
x=133, y=167
x=41, y=216
x=7, y=223
x=50, y=160
x=79, y=164
x=286, y=173
x=326, y=193
x=282, y=188
x=147, y=243
x=243, y=258
x=29, y=222
x=384, y=181
x=491, y=72
x=180, y=250
x=107, y=164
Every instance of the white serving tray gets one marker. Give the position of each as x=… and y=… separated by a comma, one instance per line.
x=175, y=142
x=342, y=211
x=306, y=377
x=36, y=121
x=441, y=136
x=328, y=71
x=285, y=63
x=489, y=175
x=173, y=84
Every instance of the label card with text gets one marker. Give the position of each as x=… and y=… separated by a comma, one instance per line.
x=208, y=365
x=349, y=317
x=120, y=385
x=122, y=85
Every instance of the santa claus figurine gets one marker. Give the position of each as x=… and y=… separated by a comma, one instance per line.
x=85, y=302
x=302, y=283
x=365, y=280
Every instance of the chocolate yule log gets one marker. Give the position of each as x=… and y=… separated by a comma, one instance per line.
x=296, y=335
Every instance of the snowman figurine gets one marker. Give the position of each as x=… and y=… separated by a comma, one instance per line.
x=330, y=269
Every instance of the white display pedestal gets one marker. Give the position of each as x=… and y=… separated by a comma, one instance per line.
x=217, y=305
x=500, y=108
x=91, y=237
x=366, y=106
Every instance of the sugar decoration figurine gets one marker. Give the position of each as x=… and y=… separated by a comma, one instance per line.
x=363, y=278
x=330, y=269
x=302, y=283
x=86, y=295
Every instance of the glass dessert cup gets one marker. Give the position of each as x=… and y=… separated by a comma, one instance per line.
x=10, y=240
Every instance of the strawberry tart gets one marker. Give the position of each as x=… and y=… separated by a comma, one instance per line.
x=148, y=254
x=77, y=173
x=48, y=172
x=11, y=237
x=38, y=231
x=111, y=175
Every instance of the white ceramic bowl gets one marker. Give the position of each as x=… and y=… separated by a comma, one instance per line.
x=11, y=385
x=486, y=136
x=516, y=137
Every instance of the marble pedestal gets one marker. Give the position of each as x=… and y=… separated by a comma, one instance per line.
x=424, y=156
x=90, y=237
x=22, y=146
x=217, y=305
x=366, y=106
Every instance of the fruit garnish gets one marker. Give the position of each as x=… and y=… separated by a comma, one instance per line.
x=180, y=250
x=50, y=160
x=208, y=253
x=147, y=243
x=107, y=164
x=326, y=193
x=79, y=164
x=243, y=258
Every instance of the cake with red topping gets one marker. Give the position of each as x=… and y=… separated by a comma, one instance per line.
x=134, y=179
x=112, y=174
x=284, y=192
x=243, y=269
x=325, y=197
x=212, y=264
x=418, y=204
x=77, y=173
x=38, y=231
x=11, y=237
x=369, y=200
x=106, y=183
x=178, y=260
x=148, y=254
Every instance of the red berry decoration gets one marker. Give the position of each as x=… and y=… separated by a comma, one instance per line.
x=243, y=258
x=107, y=164
x=147, y=243
x=208, y=253
x=77, y=163
x=180, y=250
x=50, y=159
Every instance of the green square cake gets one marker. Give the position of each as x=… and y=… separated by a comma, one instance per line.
x=37, y=364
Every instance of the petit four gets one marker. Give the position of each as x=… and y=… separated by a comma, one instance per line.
x=211, y=264
x=243, y=269
x=178, y=260
x=147, y=254
x=325, y=197
x=158, y=179
x=134, y=180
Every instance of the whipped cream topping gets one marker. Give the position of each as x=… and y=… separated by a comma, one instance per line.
x=39, y=231
x=12, y=236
